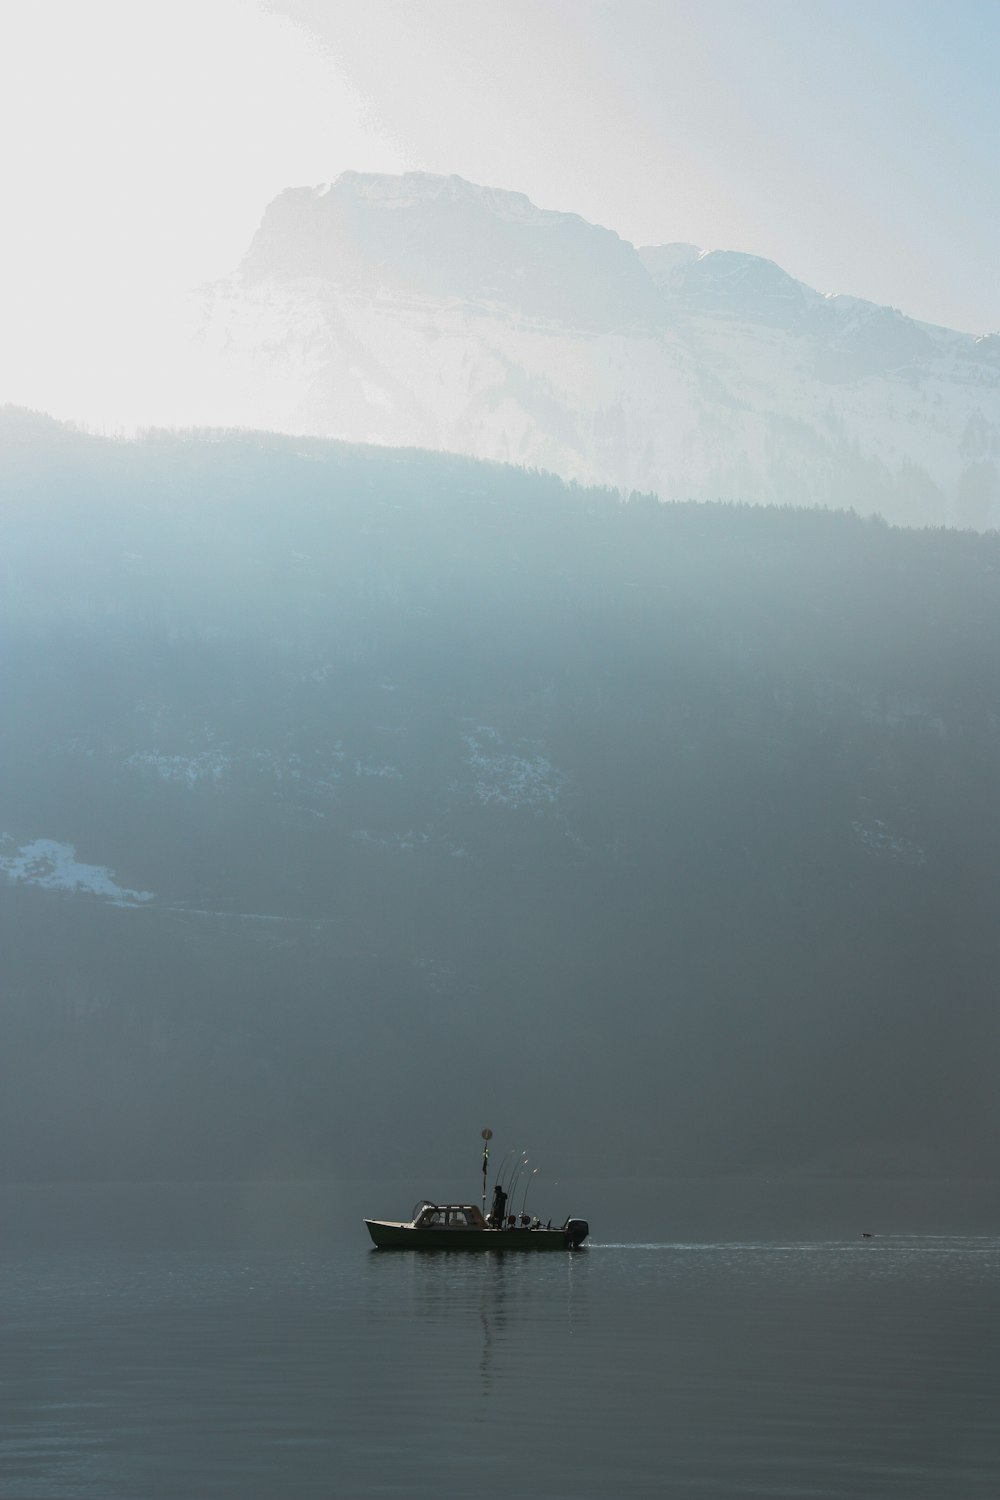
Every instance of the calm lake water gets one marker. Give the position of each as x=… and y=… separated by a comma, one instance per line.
x=204, y=1342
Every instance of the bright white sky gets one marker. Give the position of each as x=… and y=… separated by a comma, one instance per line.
x=853, y=141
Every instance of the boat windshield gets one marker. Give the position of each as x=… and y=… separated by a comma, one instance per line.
x=448, y=1216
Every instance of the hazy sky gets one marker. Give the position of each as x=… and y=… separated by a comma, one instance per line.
x=854, y=143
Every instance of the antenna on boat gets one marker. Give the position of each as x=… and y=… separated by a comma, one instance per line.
x=487, y=1137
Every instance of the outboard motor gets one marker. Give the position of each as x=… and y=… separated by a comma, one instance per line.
x=576, y=1231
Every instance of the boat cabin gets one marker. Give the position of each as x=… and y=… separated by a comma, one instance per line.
x=449, y=1216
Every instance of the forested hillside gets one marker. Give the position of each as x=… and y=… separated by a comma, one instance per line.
x=353, y=798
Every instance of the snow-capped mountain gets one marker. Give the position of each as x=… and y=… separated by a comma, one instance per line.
x=426, y=311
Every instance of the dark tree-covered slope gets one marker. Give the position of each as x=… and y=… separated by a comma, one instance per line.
x=354, y=798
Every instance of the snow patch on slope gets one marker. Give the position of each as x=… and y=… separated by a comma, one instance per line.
x=183, y=770
x=508, y=778
x=54, y=867
x=216, y=767
x=879, y=840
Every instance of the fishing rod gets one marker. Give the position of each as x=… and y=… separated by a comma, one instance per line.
x=527, y=1185
x=515, y=1173
x=498, y=1190
x=508, y=1184
x=517, y=1177
x=503, y=1167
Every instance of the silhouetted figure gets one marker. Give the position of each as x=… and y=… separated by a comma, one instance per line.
x=498, y=1208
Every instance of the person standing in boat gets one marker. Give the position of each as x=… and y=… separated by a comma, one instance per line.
x=498, y=1208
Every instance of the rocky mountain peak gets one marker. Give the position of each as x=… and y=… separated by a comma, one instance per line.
x=428, y=311
x=443, y=237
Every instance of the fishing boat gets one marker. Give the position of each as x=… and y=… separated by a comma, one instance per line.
x=466, y=1226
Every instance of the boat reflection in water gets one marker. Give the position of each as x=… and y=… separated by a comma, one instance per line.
x=465, y=1226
